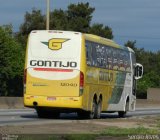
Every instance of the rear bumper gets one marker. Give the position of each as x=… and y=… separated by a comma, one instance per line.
x=53, y=102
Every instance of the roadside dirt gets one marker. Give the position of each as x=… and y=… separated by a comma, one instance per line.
x=83, y=126
x=90, y=126
x=144, y=103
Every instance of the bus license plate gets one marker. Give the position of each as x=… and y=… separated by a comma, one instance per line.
x=51, y=98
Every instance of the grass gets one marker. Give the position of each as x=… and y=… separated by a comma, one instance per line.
x=158, y=122
x=58, y=137
x=112, y=131
x=128, y=131
x=39, y=137
x=80, y=137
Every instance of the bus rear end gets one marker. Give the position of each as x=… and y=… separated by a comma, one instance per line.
x=52, y=76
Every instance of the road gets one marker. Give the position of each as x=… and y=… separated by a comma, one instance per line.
x=9, y=117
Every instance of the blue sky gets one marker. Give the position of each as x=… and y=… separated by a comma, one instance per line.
x=129, y=19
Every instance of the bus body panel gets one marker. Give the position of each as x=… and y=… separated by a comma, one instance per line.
x=53, y=69
x=58, y=61
x=113, y=84
x=57, y=87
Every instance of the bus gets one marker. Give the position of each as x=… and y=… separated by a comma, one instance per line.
x=68, y=71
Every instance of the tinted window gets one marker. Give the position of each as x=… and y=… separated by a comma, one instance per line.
x=103, y=56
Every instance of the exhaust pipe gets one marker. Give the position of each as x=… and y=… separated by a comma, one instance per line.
x=35, y=104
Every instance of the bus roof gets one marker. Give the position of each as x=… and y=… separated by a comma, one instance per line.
x=105, y=41
x=89, y=37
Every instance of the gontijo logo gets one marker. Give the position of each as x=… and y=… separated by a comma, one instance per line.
x=55, y=43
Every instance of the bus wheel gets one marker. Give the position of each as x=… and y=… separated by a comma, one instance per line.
x=92, y=113
x=98, y=110
x=88, y=114
x=122, y=114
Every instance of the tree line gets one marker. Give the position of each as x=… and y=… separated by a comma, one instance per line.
x=77, y=17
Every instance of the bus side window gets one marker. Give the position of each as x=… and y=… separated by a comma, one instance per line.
x=104, y=59
x=115, y=59
x=101, y=56
x=110, y=58
x=94, y=55
x=98, y=53
x=121, y=59
x=133, y=61
x=128, y=62
x=88, y=53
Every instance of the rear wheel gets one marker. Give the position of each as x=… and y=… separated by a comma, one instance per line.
x=92, y=113
x=98, y=110
x=88, y=114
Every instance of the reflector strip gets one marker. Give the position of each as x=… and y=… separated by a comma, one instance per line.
x=52, y=70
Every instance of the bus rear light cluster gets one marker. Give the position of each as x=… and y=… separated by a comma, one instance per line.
x=81, y=83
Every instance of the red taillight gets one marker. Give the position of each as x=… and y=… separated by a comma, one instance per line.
x=81, y=83
x=25, y=76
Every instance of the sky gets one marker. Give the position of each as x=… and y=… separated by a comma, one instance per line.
x=129, y=19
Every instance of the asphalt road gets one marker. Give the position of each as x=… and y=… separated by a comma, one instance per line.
x=9, y=117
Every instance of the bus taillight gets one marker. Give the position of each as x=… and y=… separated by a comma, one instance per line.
x=81, y=83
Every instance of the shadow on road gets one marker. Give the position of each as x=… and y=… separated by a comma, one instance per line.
x=73, y=116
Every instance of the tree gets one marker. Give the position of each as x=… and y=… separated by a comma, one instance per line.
x=58, y=20
x=101, y=30
x=32, y=21
x=79, y=17
x=11, y=60
x=131, y=44
x=76, y=18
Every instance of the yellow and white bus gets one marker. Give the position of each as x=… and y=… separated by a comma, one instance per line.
x=74, y=72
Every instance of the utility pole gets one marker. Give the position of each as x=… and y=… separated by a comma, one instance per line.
x=47, y=15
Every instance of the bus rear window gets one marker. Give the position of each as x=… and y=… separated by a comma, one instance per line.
x=54, y=47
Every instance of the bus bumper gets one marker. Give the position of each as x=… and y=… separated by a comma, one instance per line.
x=53, y=102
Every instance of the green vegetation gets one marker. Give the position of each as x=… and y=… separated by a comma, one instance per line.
x=151, y=64
x=129, y=131
x=39, y=137
x=109, y=132
x=77, y=17
x=11, y=64
x=80, y=137
x=58, y=137
x=158, y=123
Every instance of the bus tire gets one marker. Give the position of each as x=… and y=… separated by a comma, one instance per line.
x=92, y=113
x=88, y=114
x=122, y=114
x=98, y=110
